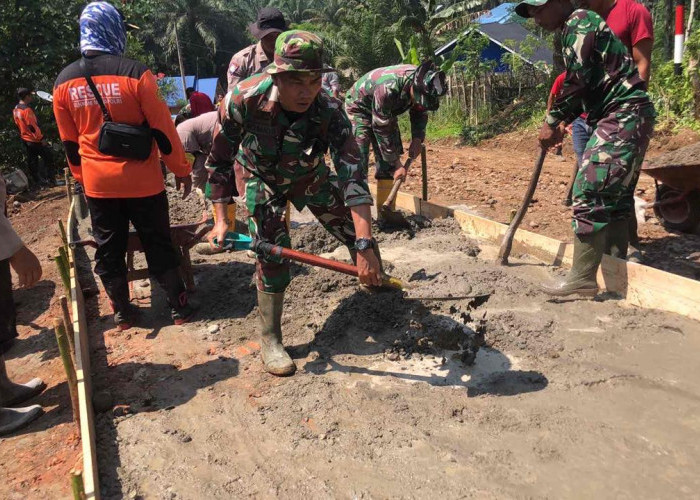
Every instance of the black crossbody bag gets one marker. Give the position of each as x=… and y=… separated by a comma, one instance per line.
x=119, y=139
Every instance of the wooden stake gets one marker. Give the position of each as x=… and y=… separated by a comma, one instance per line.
x=76, y=482
x=424, y=171
x=63, y=271
x=66, y=178
x=63, y=349
x=69, y=326
x=62, y=231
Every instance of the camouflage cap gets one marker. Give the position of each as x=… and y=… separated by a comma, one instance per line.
x=297, y=50
x=428, y=86
x=521, y=8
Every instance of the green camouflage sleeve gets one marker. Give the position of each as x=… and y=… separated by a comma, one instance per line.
x=221, y=185
x=419, y=122
x=578, y=46
x=385, y=125
x=346, y=158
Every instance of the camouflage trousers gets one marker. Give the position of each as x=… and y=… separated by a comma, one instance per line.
x=365, y=136
x=604, y=187
x=323, y=198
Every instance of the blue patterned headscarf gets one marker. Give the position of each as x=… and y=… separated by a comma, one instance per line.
x=102, y=29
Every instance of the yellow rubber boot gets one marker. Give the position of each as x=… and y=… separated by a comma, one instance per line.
x=383, y=189
x=230, y=214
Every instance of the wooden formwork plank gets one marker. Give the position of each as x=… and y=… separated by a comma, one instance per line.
x=640, y=285
x=82, y=371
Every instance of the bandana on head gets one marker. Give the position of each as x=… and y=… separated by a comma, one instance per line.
x=102, y=29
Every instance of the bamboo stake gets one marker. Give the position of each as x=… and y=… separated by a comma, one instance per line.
x=66, y=178
x=63, y=271
x=63, y=349
x=62, y=230
x=76, y=482
x=69, y=326
x=424, y=171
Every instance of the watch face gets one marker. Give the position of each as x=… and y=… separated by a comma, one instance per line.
x=362, y=244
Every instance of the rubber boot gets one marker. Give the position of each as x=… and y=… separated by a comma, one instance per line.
x=634, y=254
x=181, y=310
x=275, y=359
x=117, y=288
x=13, y=419
x=588, y=252
x=12, y=394
x=383, y=189
x=618, y=239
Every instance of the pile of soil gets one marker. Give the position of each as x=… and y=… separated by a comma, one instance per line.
x=689, y=155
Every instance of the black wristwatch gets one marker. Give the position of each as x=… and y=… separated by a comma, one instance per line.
x=362, y=244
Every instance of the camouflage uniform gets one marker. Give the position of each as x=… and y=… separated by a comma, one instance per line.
x=284, y=160
x=373, y=105
x=247, y=62
x=602, y=80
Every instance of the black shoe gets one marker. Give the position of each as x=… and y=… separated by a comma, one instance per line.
x=126, y=317
x=184, y=311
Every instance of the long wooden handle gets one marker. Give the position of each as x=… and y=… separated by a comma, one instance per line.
x=392, y=194
x=314, y=260
x=507, y=244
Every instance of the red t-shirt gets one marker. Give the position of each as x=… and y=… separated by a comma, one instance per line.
x=631, y=22
x=200, y=104
x=558, y=85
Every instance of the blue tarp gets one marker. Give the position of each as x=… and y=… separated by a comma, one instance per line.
x=501, y=14
x=205, y=85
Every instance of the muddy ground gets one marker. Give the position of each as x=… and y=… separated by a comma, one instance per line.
x=562, y=399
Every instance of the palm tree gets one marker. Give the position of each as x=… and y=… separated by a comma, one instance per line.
x=330, y=13
x=297, y=11
x=428, y=17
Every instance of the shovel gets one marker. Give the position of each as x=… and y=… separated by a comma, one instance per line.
x=386, y=213
x=237, y=241
x=507, y=244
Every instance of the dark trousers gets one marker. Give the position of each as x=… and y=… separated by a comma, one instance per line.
x=110, y=228
x=34, y=151
x=8, y=314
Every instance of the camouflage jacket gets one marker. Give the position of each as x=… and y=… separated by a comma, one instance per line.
x=288, y=157
x=246, y=62
x=601, y=77
x=381, y=96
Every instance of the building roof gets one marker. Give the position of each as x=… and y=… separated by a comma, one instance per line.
x=501, y=14
x=205, y=85
x=509, y=36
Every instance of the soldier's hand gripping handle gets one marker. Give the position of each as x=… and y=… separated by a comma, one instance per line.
x=368, y=269
x=221, y=225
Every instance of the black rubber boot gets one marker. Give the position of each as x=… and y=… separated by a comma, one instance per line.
x=12, y=394
x=181, y=310
x=618, y=239
x=275, y=359
x=581, y=280
x=13, y=419
x=117, y=288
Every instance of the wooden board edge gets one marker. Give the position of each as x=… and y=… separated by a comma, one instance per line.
x=640, y=285
x=83, y=373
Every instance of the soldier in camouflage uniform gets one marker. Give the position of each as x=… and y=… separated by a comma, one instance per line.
x=374, y=104
x=281, y=125
x=601, y=79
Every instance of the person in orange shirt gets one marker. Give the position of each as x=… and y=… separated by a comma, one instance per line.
x=121, y=190
x=33, y=139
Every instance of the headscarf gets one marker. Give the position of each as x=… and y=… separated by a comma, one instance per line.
x=102, y=29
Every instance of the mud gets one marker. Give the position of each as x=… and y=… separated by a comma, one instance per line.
x=688, y=155
x=499, y=394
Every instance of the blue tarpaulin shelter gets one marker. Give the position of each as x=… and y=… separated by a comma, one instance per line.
x=505, y=35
